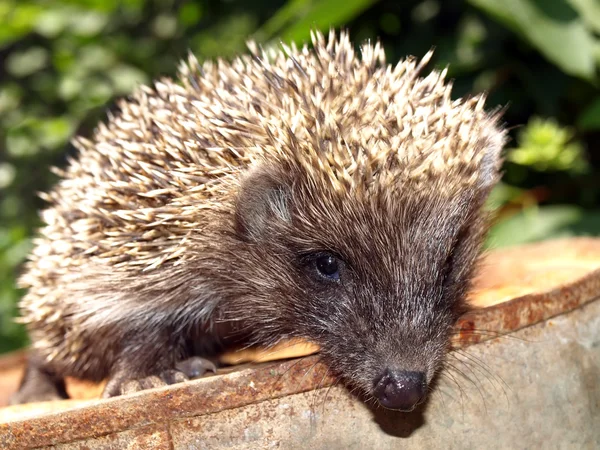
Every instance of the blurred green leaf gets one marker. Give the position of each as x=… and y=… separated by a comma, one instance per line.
x=55, y=132
x=9, y=98
x=425, y=10
x=590, y=117
x=126, y=78
x=190, y=13
x=589, y=10
x=548, y=222
x=501, y=195
x=551, y=26
x=10, y=206
x=52, y=22
x=164, y=26
x=294, y=21
x=27, y=62
x=18, y=18
x=95, y=57
x=390, y=23
x=70, y=86
x=19, y=145
x=545, y=146
x=468, y=49
x=224, y=39
x=16, y=254
x=87, y=23
x=7, y=174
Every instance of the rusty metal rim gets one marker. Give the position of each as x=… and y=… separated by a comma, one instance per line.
x=504, y=318
x=271, y=381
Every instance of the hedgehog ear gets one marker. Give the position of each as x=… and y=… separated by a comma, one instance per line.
x=262, y=200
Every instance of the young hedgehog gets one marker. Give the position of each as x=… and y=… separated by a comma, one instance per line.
x=303, y=193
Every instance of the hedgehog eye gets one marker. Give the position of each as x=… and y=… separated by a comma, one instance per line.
x=328, y=266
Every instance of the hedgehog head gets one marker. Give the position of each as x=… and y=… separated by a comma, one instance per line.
x=366, y=220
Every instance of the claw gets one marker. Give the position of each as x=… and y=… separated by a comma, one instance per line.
x=173, y=376
x=131, y=386
x=185, y=370
x=195, y=367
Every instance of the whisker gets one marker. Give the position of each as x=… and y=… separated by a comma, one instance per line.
x=327, y=393
x=316, y=390
x=475, y=384
x=290, y=367
x=308, y=370
x=486, y=370
x=495, y=334
x=447, y=375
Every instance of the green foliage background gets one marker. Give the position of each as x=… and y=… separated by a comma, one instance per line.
x=65, y=62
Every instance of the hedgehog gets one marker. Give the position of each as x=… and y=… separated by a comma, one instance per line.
x=292, y=193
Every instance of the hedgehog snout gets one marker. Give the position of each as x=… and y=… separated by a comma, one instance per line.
x=399, y=389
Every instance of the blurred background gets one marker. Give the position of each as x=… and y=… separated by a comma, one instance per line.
x=63, y=64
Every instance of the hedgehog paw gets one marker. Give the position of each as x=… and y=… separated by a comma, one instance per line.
x=129, y=386
x=39, y=385
x=185, y=370
x=31, y=394
x=195, y=367
x=151, y=382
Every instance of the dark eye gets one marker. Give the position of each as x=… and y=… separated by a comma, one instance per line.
x=328, y=266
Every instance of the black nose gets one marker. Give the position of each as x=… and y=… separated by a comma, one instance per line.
x=400, y=390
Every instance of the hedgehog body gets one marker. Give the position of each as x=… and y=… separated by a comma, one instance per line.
x=297, y=193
